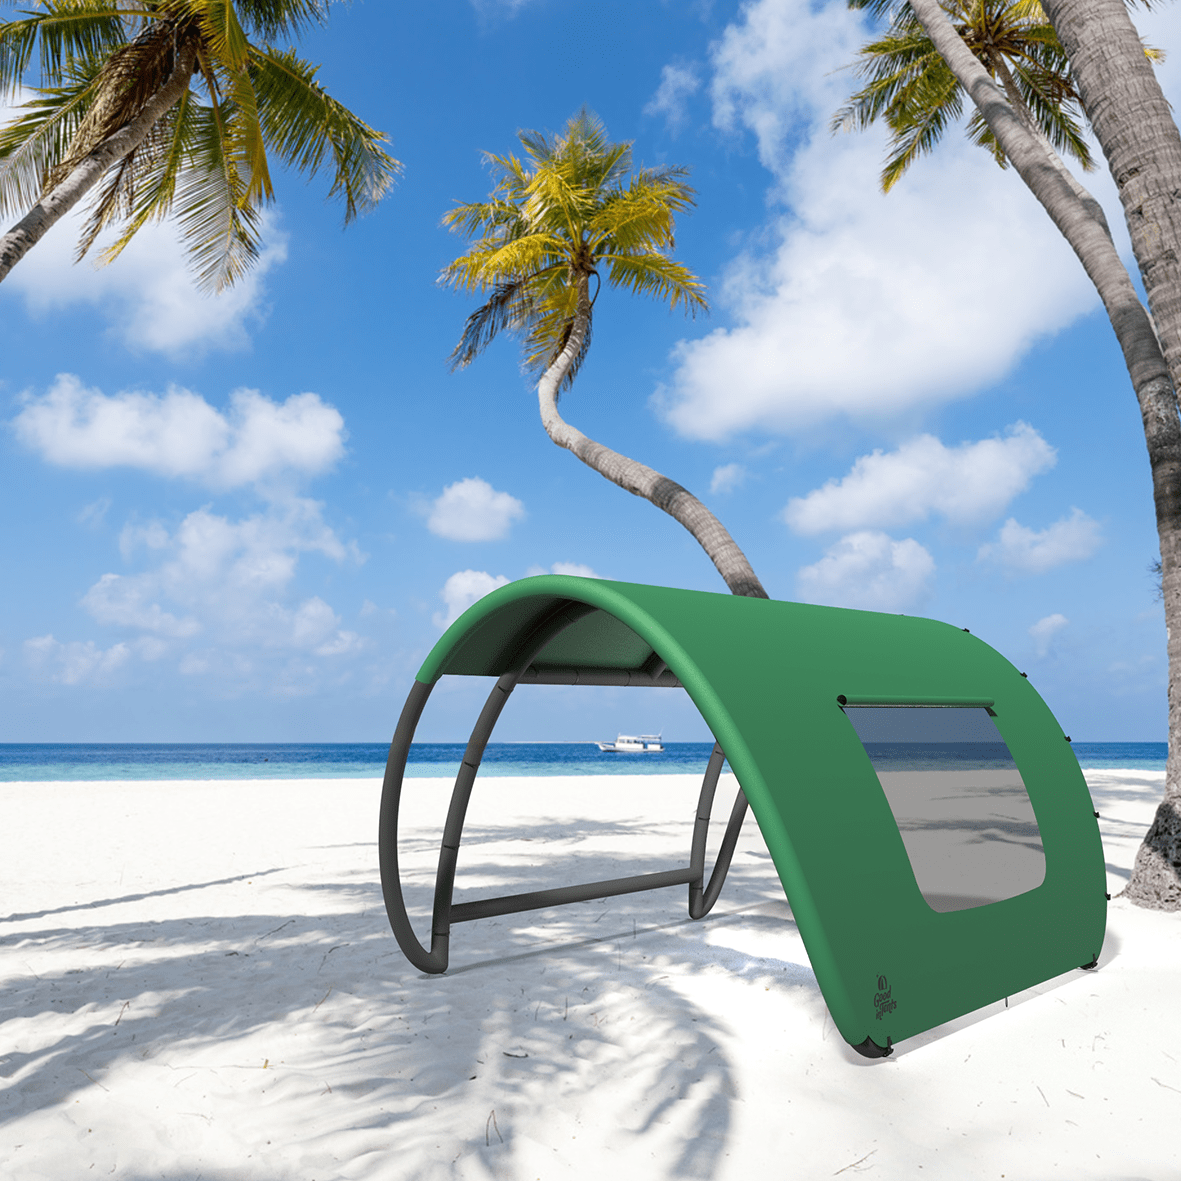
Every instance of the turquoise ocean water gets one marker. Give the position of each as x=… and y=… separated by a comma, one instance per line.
x=43, y=762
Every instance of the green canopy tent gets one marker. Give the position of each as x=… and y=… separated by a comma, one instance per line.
x=928, y=820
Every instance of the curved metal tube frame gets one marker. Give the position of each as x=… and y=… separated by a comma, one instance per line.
x=701, y=900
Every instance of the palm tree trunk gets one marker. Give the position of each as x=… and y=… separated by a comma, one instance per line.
x=637, y=479
x=1157, y=879
x=1134, y=126
x=64, y=196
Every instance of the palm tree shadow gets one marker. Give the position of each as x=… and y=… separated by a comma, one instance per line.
x=587, y=1003
x=140, y=897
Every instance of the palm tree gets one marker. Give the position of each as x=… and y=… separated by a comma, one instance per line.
x=573, y=212
x=172, y=105
x=1134, y=125
x=912, y=88
x=1112, y=81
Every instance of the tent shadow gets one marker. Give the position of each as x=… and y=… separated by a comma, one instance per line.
x=997, y=1010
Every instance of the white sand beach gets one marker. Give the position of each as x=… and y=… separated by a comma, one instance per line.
x=197, y=980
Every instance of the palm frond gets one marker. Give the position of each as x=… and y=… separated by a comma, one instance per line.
x=222, y=32
x=68, y=30
x=654, y=274
x=979, y=133
x=514, y=176
x=641, y=215
x=116, y=192
x=1056, y=115
x=218, y=226
x=18, y=39
x=125, y=81
x=102, y=63
x=550, y=330
x=554, y=197
x=918, y=116
x=247, y=137
x=510, y=307
x=498, y=218
x=882, y=9
x=893, y=65
x=286, y=20
x=1040, y=73
x=304, y=125
x=548, y=352
x=33, y=143
x=488, y=266
x=151, y=190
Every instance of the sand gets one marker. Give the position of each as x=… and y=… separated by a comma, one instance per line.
x=197, y=980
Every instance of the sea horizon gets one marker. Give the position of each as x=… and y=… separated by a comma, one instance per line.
x=105, y=762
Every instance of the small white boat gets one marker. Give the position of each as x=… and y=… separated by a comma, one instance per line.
x=634, y=744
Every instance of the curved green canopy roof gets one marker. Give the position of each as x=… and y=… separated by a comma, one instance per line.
x=771, y=680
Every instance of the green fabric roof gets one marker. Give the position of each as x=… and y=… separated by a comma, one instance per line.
x=767, y=676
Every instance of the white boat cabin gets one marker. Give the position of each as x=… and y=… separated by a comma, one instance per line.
x=634, y=744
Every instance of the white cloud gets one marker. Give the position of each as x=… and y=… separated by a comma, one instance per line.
x=869, y=570
x=316, y=627
x=152, y=535
x=342, y=643
x=369, y=607
x=94, y=513
x=227, y=581
x=869, y=306
x=148, y=295
x=180, y=434
x=727, y=477
x=151, y=648
x=1027, y=551
x=463, y=589
x=576, y=569
x=965, y=484
x=194, y=664
x=490, y=9
x=120, y=601
x=671, y=99
x=472, y=510
x=302, y=434
x=75, y=662
x=1045, y=630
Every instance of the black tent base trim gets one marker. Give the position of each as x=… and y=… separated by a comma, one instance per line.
x=870, y=1049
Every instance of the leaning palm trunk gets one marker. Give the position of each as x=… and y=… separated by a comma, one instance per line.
x=60, y=199
x=1134, y=126
x=1156, y=880
x=634, y=477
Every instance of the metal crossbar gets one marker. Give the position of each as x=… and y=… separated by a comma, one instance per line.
x=486, y=908
x=702, y=896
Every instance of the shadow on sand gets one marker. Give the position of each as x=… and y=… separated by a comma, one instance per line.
x=312, y=1005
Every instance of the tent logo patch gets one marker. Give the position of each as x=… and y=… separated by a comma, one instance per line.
x=883, y=1000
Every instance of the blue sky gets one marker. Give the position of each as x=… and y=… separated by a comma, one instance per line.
x=248, y=518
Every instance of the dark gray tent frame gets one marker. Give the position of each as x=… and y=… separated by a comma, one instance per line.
x=444, y=912
x=773, y=681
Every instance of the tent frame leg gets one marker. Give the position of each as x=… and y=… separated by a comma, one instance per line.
x=445, y=912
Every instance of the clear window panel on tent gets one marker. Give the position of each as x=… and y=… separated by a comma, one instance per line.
x=958, y=799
